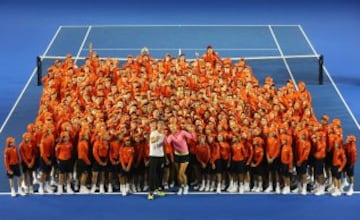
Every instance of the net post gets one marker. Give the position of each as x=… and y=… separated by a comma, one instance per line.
x=39, y=70
x=321, y=69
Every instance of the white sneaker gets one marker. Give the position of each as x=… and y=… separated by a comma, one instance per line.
x=146, y=187
x=277, y=190
x=110, y=188
x=138, y=188
x=132, y=188
x=21, y=191
x=202, y=187
x=41, y=190
x=93, y=189
x=76, y=185
x=84, y=190
x=172, y=184
x=218, y=189
x=180, y=191
x=166, y=187
x=246, y=187
x=303, y=191
x=350, y=192
x=257, y=190
x=234, y=188
x=53, y=182
x=269, y=189
x=186, y=190
x=223, y=185
x=13, y=193
x=212, y=187
x=69, y=190
x=31, y=190
x=286, y=190
x=241, y=189
x=48, y=188
x=59, y=190
x=320, y=191
x=344, y=184
x=102, y=189
x=336, y=192
x=207, y=187
x=231, y=184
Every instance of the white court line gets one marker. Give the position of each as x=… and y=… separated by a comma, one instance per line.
x=179, y=25
x=284, y=59
x=174, y=193
x=232, y=58
x=28, y=83
x=82, y=44
x=331, y=79
x=186, y=49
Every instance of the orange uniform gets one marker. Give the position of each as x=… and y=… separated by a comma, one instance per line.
x=203, y=153
x=64, y=150
x=320, y=150
x=169, y=151
x=351, y=153
x=27, y=151
x=115, y=146
x=100, y=151
x=258, y=156
x=303, y=148
x=127, y=156
x=238, y=152
x=287, y=155
x=83, y=151
x=339, y=158
x=11, y=156
x=272, y=147
x=47, y=147
x=224, y=150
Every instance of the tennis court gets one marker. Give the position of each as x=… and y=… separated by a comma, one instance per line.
x=281, y=51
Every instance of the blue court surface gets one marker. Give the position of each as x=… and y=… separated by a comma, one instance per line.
x=281, y=51
x=292, y=55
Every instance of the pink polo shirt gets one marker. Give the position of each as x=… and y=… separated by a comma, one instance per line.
x=178, y=141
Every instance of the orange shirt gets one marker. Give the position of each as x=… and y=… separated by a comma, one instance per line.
x=100, y=151
x=203, y=153
x=64, y=150
x=258, y=156
x=331, y=142
x=339, y=158
x=351, y=153
x=83, y=151
x=139, y=152
x=249, y=151
x=224, y=150
x=287, y=155
x=127, y=156
x=303, y=148
x=47, y=147
x=272, y=147
x=319, y=148
x=192, y=145
x=114, y=151
x=238, y=151
x=27, y=153
x=11, y=157
x=215, y=152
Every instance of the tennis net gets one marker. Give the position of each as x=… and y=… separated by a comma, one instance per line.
x=307, y=68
